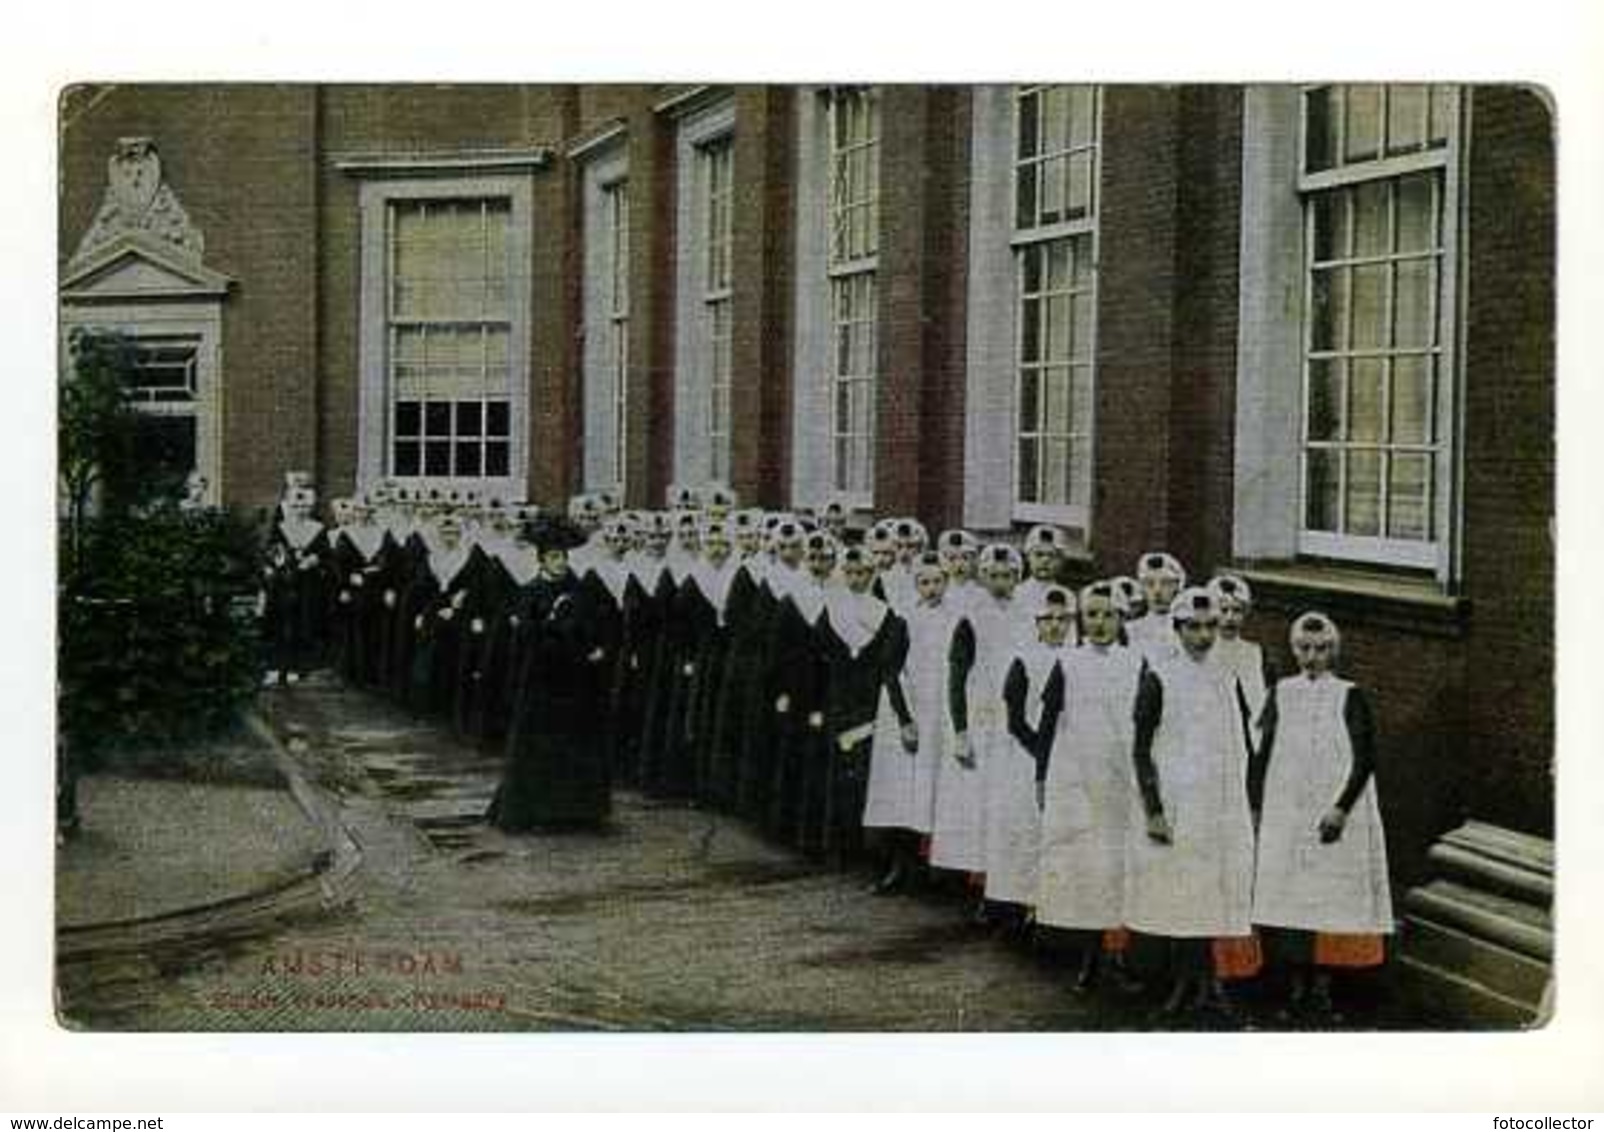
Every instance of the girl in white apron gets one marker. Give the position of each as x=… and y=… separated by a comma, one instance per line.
x=974, y=700
x=1321, y=893
x=1012, y=827
x=904, y=767
x=1087, y=787
x=1161, y=577
x=1239, y=654
x=1190, y=873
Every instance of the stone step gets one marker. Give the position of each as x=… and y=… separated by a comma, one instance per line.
x=1514, y=924
x=1500, y=969
x=1523, y=850
x=1439, y=993
x=1479, y=870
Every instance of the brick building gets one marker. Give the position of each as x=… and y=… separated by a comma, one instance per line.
x=1304, y=333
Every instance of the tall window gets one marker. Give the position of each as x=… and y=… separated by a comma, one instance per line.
x=1376, y=184
x=449, y=328
x=715, y=164
x=1055, y=175
x=854, y=227
x=616, y=208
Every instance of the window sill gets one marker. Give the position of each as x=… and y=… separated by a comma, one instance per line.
x=1359, y=596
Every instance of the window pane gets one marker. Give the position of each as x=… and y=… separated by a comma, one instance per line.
x=1321, y=477
x=1369, y=306
x=1363, y=513
x=496, y=458
x=1025, y=197
x=1032, y=269
x=498, y=415
x=1081, y=319
x=1363, y=134
x=1058, y=328
x=408, y=418
x=1055, y=471
x=467, y=458
x=437, y=458
x=1080, y=185
x=1409, y=496
x=1083, y=124
x=1329, y=317
x=1026, y=140
x=1330, y=226
x=1058, y=269
x=1325, y=400
x=1083, y=265
x=1080, y=472
x=1370, y=219
x=1053, y=194
x=1411, y=400
x=1417, y=213
x=406, y=458
x=1056, y=387
x=1365, y=399
x=437, y=419
x=1029, y=400
x=1412, y=295
x=1081, y=397
x=1322, y=110
x=1028, y=482
x=1030, y=331
x=1406, y=117
x=468, y=418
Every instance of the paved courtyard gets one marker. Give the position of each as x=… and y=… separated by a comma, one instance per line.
x=676, y=918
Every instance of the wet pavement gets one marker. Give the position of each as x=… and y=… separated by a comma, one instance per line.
x=675, y=918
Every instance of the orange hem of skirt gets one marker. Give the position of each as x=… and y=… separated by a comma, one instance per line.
x=1334, y=949
x=1237, y=957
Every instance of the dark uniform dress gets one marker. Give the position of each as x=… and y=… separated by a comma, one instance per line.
x=414, y=591
x=855, y=682
x=799, y=653
x=732, y=663
x=558, y=773
x=647, y=602
x=489, y=595
x=671, y=766
x=753, y=723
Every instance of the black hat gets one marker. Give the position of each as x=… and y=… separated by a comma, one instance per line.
x=554, y=532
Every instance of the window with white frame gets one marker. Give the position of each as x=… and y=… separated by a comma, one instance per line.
x=715, y=163
x=616, y=209
x=1377, y=184
x=445, y=332
x=854, y=234
x=704, y=280
x=1055, y=175
x=606, y=317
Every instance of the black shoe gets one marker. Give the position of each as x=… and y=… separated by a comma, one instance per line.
x=891, y=882
x=1086, y=973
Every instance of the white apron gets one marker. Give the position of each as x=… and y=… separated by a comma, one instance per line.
x=902, y=787
x=1013, y=823
x=1086, y=812
x=1246, y=660
x=1153, y=636
x=1201, y=884
x=1300, y=883
x=958, y=840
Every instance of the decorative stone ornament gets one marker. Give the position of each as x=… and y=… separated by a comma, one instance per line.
x=139, y=204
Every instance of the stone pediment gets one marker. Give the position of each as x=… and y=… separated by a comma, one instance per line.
x=131, y=268
x=141, y=244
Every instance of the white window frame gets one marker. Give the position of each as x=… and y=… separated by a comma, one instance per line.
x=606, y=319
x=198, y=321
x=995, y=310
x=695, y=461
x=815, y=424
x=374, y=402
x=1273, y=342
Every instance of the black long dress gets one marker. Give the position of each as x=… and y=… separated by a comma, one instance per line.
x=851, y=707
x=647, y=604
x=750, y=720
x=558, y=773
x=799, y=654
x=489, y=595
x=671, y=768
